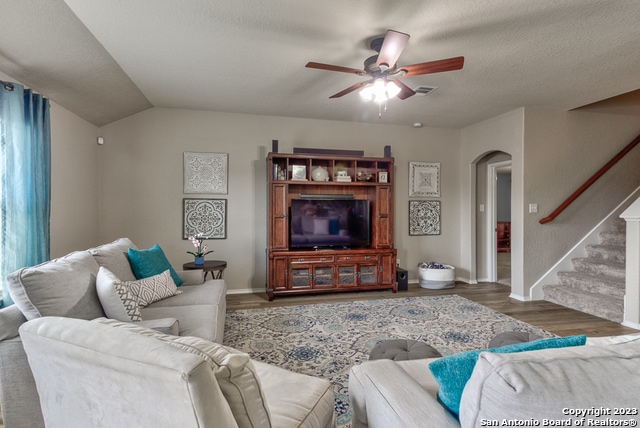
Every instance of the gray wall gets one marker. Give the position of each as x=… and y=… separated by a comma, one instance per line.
x=141, y=181
x=562, y=150
x=132, y=186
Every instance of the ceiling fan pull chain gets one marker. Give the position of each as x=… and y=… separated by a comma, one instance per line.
x=382, y=108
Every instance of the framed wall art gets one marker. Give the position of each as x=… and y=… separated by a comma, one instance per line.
x=206, y=216
x=424, y=179
x=424, y=218
x=205, y=173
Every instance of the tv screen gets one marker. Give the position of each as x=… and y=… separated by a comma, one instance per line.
x=329, y=223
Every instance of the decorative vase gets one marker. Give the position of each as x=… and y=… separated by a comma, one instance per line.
x=320, y=174
x=199, y=261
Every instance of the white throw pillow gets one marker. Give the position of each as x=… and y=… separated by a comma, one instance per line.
x=233, y=370
x=153, y=289
x=116, y=299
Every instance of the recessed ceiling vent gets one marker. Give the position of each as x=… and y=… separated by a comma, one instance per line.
x=425, y=90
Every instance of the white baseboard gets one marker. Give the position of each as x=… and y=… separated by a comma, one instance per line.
x=631, y=324
x=520, y=298
x=247, y=291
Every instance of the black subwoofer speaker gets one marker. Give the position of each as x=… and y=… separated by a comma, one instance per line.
x=402, y=278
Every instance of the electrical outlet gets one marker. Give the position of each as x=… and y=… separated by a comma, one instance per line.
x=533, y=208
x=397, y=262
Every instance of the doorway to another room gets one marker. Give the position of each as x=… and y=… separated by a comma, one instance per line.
x=499, y=216
x=494, y=236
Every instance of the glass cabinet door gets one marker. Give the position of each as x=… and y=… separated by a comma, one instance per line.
x=368, y=274
x=301, y=277
x=323, y=276
x=346, y=275
x=311, y=276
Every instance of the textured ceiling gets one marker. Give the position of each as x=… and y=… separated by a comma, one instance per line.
x=107, y=59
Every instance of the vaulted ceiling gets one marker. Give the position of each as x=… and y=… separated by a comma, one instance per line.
x=107, y=59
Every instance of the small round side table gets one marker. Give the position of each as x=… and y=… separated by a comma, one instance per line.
x=209, y=266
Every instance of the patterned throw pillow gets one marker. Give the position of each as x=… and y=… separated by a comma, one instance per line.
x=153, y=289
x=117, y=300
x=233, y=370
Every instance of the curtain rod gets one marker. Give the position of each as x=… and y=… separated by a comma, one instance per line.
x=7, y=85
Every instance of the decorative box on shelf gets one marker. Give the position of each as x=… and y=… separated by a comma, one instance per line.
x=343, y=178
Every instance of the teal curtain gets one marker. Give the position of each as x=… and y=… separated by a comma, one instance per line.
x=25, y=180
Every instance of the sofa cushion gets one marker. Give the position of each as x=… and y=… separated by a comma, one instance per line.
x=295, y=399
x=11, y=318
x=63, y=287
x=546, y=384
x=152, y=289
x=233, y=370
x=117, y=300
x=212, y=292
x=163, y=325
x=150, y=262
x=113, y=256
x=613, y=340
x=200, y=309
x=453, y=372
x=203, y=321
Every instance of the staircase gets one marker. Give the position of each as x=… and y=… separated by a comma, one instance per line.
x=597, y=283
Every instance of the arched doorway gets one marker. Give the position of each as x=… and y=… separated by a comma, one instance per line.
x=493, y=212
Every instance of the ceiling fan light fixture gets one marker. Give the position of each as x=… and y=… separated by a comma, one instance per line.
x=379, y=91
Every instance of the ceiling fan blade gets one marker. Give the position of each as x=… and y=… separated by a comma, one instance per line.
x=439, y=66
x=334, y=68
x=348, y=90
x=392, y=47
x=405, y=91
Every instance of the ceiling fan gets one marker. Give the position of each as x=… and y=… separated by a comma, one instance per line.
x=384, y=71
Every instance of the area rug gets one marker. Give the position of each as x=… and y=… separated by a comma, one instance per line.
x=325, y=340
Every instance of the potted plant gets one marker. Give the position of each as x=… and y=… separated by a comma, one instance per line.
x=201, y=249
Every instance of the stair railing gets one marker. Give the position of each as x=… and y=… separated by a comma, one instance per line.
x=590, y=181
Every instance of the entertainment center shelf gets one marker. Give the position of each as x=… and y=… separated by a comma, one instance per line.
x=300, y=167
x=350, y=221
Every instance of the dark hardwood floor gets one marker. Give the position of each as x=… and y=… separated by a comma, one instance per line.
x=545, y=315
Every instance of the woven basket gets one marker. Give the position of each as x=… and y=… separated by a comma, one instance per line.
x=437, y=279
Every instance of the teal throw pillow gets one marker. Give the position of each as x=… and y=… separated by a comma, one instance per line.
x=151, y=262
x=453, y=372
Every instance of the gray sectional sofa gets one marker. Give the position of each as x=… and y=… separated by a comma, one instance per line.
x=66, y=287
x=596, y=384
x=105, y=373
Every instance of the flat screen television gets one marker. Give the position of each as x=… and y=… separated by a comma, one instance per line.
x=329, y=223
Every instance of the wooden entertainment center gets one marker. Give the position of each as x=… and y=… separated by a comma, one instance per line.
x=294, y=270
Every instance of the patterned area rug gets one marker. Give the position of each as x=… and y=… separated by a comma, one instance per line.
x=325, y=340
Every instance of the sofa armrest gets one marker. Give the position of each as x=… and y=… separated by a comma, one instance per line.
x=162, y=325
x=137, y=380
x=191, y=277
x=11, y=318
x=18, y=393
x=391, y=398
